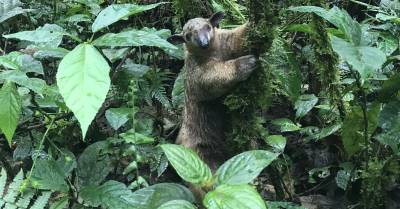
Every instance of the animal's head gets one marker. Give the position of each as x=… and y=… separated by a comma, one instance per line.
x=198, y=33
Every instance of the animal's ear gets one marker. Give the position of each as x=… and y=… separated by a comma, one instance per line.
x=176, y=39
x=216, y=18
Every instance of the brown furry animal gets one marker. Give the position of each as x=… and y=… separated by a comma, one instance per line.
x=214, y=64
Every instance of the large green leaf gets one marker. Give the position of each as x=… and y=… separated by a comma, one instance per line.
x=304, y=104
x=278, y=142
x=115, y=195
x=111, y=195
x=133, y=37
x=49, y=35
x=339, y=18
x=10, y=108
x=353, y=128
x=243, y=168
x=11, y=8
x=132, y=136
x=35, y=84
x=364, y=59
x=234, y=197
x=116, y=12
x=154, y=196
x=286, y=125
x=177, y=204
x=188, y=164
x=117, y=117
x=389, y=121
x=48, y=175
x=93, y=165
x=83, y=80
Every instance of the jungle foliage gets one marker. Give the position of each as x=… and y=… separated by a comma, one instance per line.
x=92, y=93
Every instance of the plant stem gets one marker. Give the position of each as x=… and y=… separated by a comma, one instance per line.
x=40, y=147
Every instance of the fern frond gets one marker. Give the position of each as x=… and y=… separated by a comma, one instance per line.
x=3, y=180
x=25, y=199
x=13, y=189
x=41, y=201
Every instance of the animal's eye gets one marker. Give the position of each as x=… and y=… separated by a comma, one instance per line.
x=208, y=27
x=188, y=36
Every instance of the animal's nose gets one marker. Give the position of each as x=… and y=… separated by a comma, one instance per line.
x=203, y=42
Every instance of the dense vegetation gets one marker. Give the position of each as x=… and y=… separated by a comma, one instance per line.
x=92, y=93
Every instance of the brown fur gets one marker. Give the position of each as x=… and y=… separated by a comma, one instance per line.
x=210, y=74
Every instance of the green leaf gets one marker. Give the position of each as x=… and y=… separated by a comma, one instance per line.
x=50, y=52
x=136, y=70
x=11, y=8
x=35, y=84
x=178, y=92
x=112, y=195
x=49, y=35
x=188, y=164
x=177, y=204
x=278, y=142
x=234, y=197
x=93, y=165
x=133, y=37
x=338, y=17
x=134, y=137
x=353, y=128
x=282, y=205
x=83, y=80
x=364, y=59
x=243, y=168
x=60, y=204
x=10, y=108
x=286, y=125
x=9, y=60
x=115, y=195
x=324, y=132
x=116, y=12
x=158, y=194
x=389, y=88
x=389, y=121
x=117, y=117
x=48, y=175
x=304, y=104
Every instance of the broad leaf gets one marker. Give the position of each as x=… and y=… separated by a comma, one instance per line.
x=144, y=37
x=177, y=204
x=83, y=80
x=93, y=165
x=364, y=59
x=154, y=196
x=283, y=205
x=304, y=104
x=111, y=195
x=49, y=35
x=286, y=125
x=48, y=175
x=60, y=204
x=324, y=132
x=11, y=8
x=245, y=167
x=278, y=142
x=353, y=128
x=188, y=164
x=234, y=197
x=134, y=137
x=116, y=12
x=10, y=108
x=35, y=84
x=389, y=121
x=117, y=117
x=338, y=17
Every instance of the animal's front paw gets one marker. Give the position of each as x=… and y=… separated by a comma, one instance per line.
x=246, y=65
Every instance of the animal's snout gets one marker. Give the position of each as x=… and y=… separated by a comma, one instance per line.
x=203, y=42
